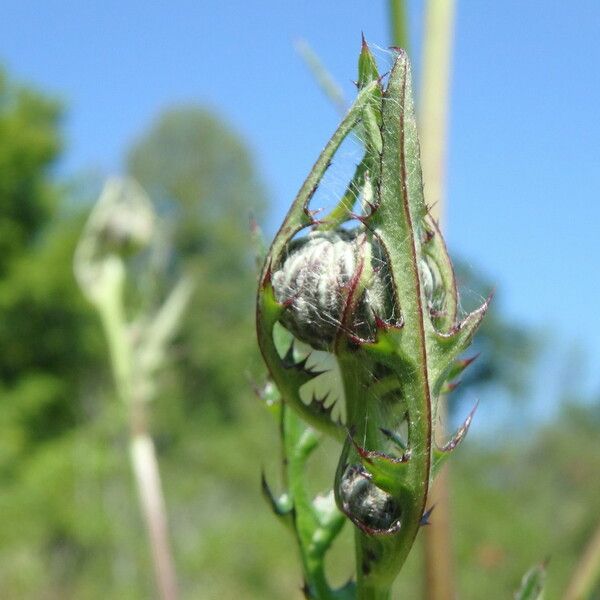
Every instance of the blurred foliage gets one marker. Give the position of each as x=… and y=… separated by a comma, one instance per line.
x=69, y=523
x=201, y=178
x=29, y=144
x=506, y=351
x=49, y=345
x=47, y=342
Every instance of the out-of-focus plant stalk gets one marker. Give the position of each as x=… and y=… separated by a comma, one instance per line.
x=433, y=128
x=398, y=24
x=147, y=476
x=122, y=221
x=142, y=452
x=322, y=76
x=587, y=573
x=434, y=100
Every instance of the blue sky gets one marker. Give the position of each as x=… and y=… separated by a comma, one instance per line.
x=524, y=157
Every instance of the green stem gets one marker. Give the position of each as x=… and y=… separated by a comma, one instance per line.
x=110, y=308
x=434, y=105
x=366, y=591
x=398, y=23
x=298, y=443
x=376, y=557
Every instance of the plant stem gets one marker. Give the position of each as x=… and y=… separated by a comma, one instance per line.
x=398, y=25
x=433, y=114
x=587, y=572
x=147, y=476
x=322, y=76
x=439, y=567
x=299, y=441
x=142, y=453
x=366, y=587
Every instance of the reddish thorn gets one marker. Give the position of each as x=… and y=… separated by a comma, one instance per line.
x=372, y=207
x=465, y=362
x=357, y=340
x=253, y=224
x=428, y=208
x=450, y=387
x=267, y=275
x=429, y=235
x=361, y=218
x=461, y=433
x=311, y=213
x=364, y=44
x=381, y=324
x=369, y=455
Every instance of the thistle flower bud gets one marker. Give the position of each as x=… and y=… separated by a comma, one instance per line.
x=366, y=504
x=315, y=281
x=122, y=221
x=383, y=281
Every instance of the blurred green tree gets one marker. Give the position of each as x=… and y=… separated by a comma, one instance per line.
x=29, y=144
x=49, y=344
x=45, y=342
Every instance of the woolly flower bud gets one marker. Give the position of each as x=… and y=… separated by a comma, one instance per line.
x=365, y=503
x=315, y=280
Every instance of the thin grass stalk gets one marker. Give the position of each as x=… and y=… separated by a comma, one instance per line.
x=322, y=76
x=587, y=572
x=435, y=83
x=435, y=100
x=398, y=24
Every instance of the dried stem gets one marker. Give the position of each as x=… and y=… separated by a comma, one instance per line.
x=587, y=572
x=147, y=476
x=439, y=567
